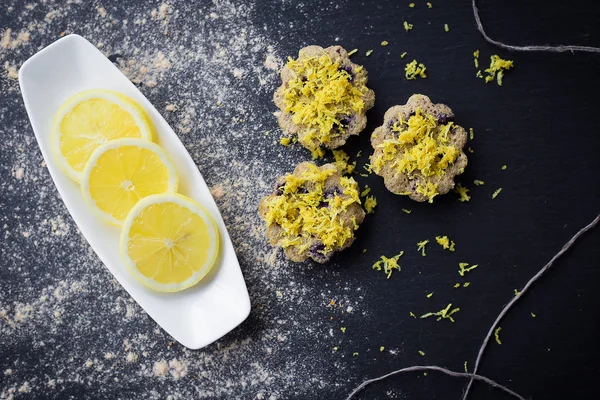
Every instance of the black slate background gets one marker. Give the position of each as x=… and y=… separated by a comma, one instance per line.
x=543, y=124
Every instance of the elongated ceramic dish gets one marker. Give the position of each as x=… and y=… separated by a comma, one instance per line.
x=196, y=316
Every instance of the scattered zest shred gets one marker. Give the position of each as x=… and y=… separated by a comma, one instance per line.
x=445, y=313
x=414, y=69
x=463, y=192
x=421, y=247
x=496, y=193
x=497, y=335
x=445, y=242
x=384, y=43
x=478, y=182
x=464, y=268
x=421, y=352
x=352, y=52
x=388, y=264
x=368, y=53
x=446, y=28
x=497, y=68
x=407, y=26
x=406, y=210
x=370, y=204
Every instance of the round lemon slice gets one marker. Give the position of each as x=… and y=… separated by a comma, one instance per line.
x=121, y=172
x=90, y=118
x=169, y=242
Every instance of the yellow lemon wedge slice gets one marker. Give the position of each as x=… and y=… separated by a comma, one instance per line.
x=121, y=172
x=169, y=242
x=90, y=118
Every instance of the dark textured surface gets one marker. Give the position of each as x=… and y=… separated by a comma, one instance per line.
x=543, y=124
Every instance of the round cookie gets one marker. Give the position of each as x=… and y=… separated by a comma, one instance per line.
x=418, y=149
x=313, y=212
x=323, y=98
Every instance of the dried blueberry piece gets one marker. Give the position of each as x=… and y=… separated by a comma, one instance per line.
x=303, y=190
x=279, y=188
x=443, y=119
x=330, y=193
x=316, y=250
x=304, y=79
x=346, y=120
x=349, y=71
x=323, y=204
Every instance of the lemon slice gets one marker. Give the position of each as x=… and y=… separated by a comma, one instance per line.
x=169, y=242
x=91, y=118
x=121, y=172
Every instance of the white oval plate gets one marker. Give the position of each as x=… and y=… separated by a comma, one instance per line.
x=196, y=316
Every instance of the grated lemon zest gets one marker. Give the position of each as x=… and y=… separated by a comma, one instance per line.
x=456, y=285
x=352, y=52
x=462, y=192
x=388, y=264
x=496, y=193
x=341, y=162
x=497, y=335
x=406, y=210
x=414, y=69
x=412, y=314
x=421, y=247
x=429, y=5
x=403, y=54
x=445, y=242
x=368, y=53
x=384, y=43
x=478, y=182
x=285, y=141
x=464, y=268
x=381, y=348
x=370, y=204
x=407, y=26
x=471, y=134
x=497, y=68
x=421, y=352
x=445, y=313
x=429, y=295
x=446, y=28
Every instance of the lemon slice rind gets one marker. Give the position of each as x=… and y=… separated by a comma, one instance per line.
x=129, y=105
x=113, y=144
x=183, y=201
